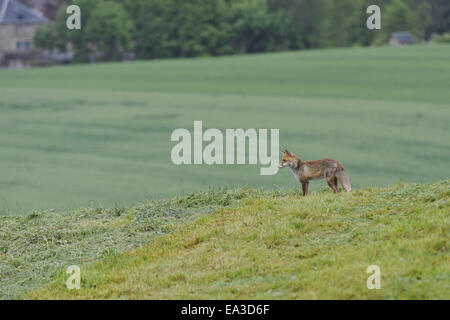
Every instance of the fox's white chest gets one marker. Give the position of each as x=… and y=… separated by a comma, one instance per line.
x=295, y=174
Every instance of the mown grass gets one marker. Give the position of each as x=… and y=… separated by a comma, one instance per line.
x=36, y=246
x=99, y=135
x=283, y=246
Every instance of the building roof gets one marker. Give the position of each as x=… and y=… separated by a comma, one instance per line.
x=14, y=12
x=403, y=37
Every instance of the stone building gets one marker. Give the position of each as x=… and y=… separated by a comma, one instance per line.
x=17, y=26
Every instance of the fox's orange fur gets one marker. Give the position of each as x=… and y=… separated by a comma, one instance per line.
x=304, y=171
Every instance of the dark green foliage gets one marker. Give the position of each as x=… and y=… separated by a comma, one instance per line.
x=189, y=28
x=109, y=30
x=397, y=17
x=106, y=32
x=174, y=28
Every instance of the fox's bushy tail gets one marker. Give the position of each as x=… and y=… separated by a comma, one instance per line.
x=345, y=181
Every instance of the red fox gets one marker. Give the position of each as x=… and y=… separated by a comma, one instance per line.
x=331, y=170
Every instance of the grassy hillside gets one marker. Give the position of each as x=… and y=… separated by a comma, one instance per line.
x=274, y=246
x=100, y=135
x=36, y=246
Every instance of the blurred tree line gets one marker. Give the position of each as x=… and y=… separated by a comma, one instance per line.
x=187, y=28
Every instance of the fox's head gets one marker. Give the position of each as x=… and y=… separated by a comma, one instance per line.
x=288, y=159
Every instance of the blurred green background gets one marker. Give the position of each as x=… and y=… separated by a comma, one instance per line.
x=99, y=135
x=147, y=29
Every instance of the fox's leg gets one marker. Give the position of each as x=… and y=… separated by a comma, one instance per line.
x=330, y=182
x=335, y=180
x=305, y=188
x=330, y=175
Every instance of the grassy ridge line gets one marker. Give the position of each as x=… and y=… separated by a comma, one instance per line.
x=35, y=247
x=288, y=247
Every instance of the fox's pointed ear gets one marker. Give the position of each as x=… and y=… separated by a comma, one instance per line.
x=286, y=151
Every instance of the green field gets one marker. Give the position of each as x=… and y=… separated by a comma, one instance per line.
x=99, y=135
x=246, y=244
